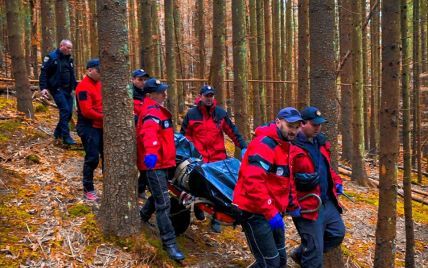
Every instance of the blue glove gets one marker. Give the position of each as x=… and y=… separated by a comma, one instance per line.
x=150, y=160
x=339, y=188
x=243, y=150
x=295, y=213
x=276, y=222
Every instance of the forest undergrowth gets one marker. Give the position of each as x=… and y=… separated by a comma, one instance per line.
x=44, y=221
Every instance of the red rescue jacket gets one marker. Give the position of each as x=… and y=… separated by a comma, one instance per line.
x=155, y=135
x=89, y=103
x=301, y=162
x=204, y=128
x=264, y=184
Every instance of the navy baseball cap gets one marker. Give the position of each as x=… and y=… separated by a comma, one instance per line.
x=140, y=73
x=154, y=85
x=289, y=114
x=93, y=63
x=313, y=114
x=205, y=90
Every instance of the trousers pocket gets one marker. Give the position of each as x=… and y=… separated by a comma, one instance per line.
x=306, y=182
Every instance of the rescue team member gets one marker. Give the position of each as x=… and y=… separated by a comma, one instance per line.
x=204, y=126
x=322, y=230
x=138, y=79
x=156, y=158
x=90, y=124
x=57, y=77
x=264, y=189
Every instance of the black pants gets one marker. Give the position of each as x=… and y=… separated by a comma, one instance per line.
x=159, y=201
x=92, y=140
x=64, y=102
x=267, y=245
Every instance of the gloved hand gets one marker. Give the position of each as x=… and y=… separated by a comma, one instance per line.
x=243, y=150
x=276, y=222
x=150, y=160
x=295, y=213
x=339, y=188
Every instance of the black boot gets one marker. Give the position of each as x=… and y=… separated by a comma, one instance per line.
x=173, y=252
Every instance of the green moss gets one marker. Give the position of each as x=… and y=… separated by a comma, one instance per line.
x=5, y=103
x=79, y=210
x=33, y=158
x=90, y=228
x=40, y=108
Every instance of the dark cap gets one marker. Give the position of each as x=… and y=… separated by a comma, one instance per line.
x=289, y=114
x=154, y=85
x=93, y=63
x=140, y=73
x=313, y=114
x=205, y=90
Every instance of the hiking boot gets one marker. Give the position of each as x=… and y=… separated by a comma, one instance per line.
x=69, y=141
x=173, y=252
x=215, y=226
x=199, y=214
x=91, y=196
x=296, y=257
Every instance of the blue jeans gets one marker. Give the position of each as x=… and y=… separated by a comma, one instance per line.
x=64, y=102
x=319, y=236
x=159, y=200
x=92, y=140
x=267, y=245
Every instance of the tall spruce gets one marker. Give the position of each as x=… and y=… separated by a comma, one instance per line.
x=389, y=143
x=261, y=51
x=257, y=117
x=62, y=12
x=48, y=26
x=303, y=63
x=200, y=34
x=15, y=36
x=269, y=64
x=146, y=34
x=170, y=58
x=118, y=213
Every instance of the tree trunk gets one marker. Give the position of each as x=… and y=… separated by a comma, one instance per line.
x=365, y=79
x=93, y=29
x=375, y=77
x=216, y=78
x=170, y=58
x=257, y=117
x=289, y=55
x=358, y=169
x=146, y=33
x=34, y=37
x=17, y=53
x=2, y=34
x=322, y=68
x=200, y=35
x=27, y=39
x=157, y=63
x=261, y=51
x=62, y=12
x=345, y=16
x=119, y=208
x=303, y=74
x=276, y=61
x=424, y=22
x=269, y=65
x=48, y=26
x=389, y=144
x=240, y=83
x=180, y=63
x=407, y=186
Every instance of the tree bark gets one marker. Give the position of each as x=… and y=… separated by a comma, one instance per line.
x=289, y=100
x=27, y=36
x=358, y=169
x=269, y=64
x=257, y=117
x=303, y=74
x=216, y=78
x=62, y=12
x=407, y=185
x=48, y=26
x=276, y=61
x=17, y=53
x=170, y=58
x=2, y=40
x=365, y=77
x=345, y=16
x=240, y=83
x=261, y=50
x=200, y=36
x=93, y=32
x=146, y=34
x=157, y=63
x=119, y=208
x=389, y=144
x=322, y=67
x=34, y=6
x=181, y=62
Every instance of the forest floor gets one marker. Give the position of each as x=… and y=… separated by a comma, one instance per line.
x=44, y=221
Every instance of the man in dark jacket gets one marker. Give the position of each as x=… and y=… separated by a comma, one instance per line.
x=321, y=230
x=265, y=189
x=90, y=124
x=204, y=126
x=57, y=77
x=156, y=158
